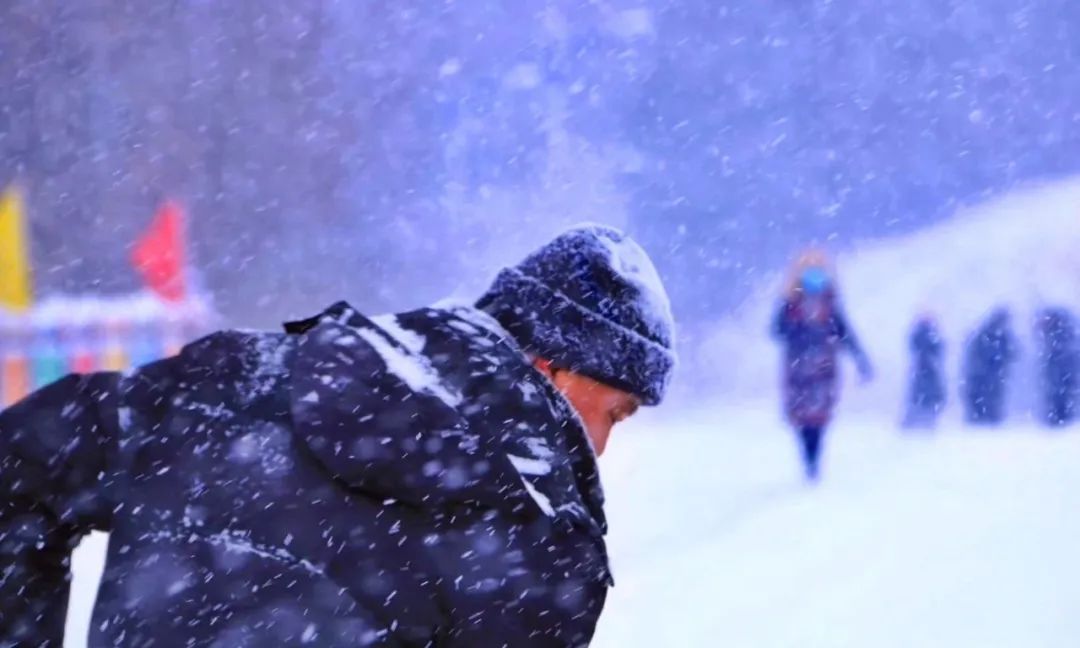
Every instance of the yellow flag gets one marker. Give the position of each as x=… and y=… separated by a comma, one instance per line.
x=15, y=292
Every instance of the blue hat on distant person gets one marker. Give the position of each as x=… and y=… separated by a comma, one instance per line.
x=814, y=281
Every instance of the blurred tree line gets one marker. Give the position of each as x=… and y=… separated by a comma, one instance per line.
x=392, y=153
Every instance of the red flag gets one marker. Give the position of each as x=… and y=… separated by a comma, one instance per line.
x=159, y=254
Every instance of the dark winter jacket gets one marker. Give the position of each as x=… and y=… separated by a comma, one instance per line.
x=990, y=354
x=927, y=396
x=812, y=339
x=1059, y=355
x=408, y=481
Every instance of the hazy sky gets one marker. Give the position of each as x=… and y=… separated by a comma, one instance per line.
x=392, y=156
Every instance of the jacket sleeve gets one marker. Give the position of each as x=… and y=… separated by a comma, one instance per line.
x=1012, y=348
x=53, y=450
x=917, y=342
x=851, y=342
x=937, y=345
x=781, y=325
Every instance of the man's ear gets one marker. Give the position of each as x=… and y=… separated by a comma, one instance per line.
x=544, y=366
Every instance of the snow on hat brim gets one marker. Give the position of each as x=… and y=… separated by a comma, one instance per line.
x=547, y=323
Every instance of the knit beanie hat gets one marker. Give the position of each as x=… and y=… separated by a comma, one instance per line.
x=591, y=302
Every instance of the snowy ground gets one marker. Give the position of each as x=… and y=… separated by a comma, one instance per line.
x=962, y=538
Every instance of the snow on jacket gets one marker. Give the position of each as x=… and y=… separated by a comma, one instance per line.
x=402, y=481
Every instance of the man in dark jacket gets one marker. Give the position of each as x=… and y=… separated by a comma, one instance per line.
x=926, y=397
x=990, y=355
x=1059, y=357
x=424, y=479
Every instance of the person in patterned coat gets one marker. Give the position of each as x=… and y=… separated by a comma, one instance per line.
x=812, y=329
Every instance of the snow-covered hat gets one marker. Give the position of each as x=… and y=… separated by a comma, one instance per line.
x=591, y=302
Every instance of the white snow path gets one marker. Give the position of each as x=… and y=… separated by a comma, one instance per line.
x=964, y=538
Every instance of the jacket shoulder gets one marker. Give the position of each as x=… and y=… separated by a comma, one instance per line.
x=235, y=364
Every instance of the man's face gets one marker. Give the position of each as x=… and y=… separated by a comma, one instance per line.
x=599, y=406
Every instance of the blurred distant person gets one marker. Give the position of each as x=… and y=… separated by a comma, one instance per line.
x=813, y=329
x=926, y=395
x=990, y=354
x=422, y=479
x=1059, y=359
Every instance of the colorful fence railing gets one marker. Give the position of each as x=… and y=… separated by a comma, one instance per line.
x=85, y=334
